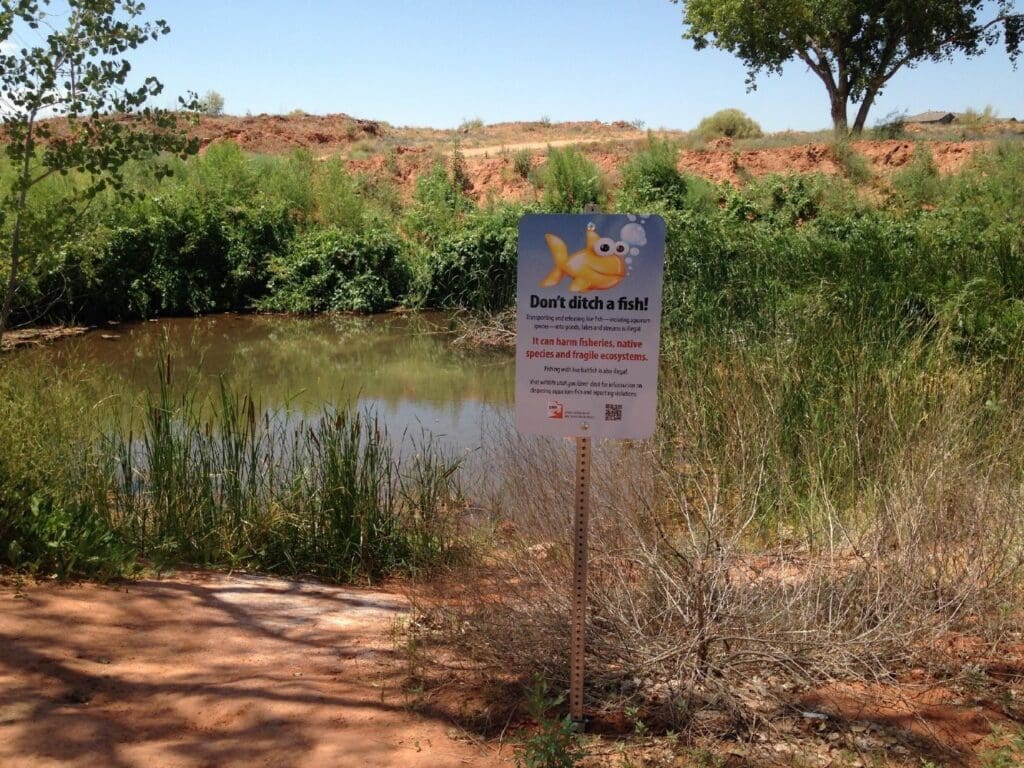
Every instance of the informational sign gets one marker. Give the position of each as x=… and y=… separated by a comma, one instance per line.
x=589, y=324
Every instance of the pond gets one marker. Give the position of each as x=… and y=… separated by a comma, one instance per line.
x=404, y=367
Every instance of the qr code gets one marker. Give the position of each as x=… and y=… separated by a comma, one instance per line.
x=612, y=412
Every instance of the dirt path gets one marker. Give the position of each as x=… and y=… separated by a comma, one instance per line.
x=204, y=671
x=496, y=149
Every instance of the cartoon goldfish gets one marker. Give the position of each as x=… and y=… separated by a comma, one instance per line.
x=597, y=267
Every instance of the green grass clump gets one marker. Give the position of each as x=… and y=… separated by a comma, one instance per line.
x=731, y=124
x=918, y=184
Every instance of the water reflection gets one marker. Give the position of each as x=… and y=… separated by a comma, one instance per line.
x=403, y=366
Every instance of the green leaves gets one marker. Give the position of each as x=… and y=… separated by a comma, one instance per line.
x=78, y=72
x=854, y=46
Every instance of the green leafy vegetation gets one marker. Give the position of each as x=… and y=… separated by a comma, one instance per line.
x=77, y=72
x=555, y=743
x=842, y=308
x=855, y=50
x=569, y=182
x=178, y=479
x=334, y=270
x=212, y=104
x=729, y=123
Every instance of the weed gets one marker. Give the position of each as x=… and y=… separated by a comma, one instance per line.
x=1001, y=750
x=556, y=743
x=460, y=171
x=918, y=184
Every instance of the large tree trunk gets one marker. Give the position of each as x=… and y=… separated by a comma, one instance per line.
x=840, y=122
x=865, y=107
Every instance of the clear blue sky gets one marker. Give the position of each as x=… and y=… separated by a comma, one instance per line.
x=437, y=62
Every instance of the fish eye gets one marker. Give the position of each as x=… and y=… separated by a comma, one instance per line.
x=604, y=247
x=621, y=248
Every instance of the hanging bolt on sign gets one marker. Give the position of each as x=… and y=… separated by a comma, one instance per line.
x=588, y=329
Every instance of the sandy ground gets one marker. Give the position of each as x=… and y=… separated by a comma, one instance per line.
x=210, y=671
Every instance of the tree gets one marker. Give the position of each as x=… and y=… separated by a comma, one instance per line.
x=212, y=103
x=66, y=109
x=854, y=46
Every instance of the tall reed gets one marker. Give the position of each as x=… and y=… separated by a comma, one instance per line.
x=223, y=482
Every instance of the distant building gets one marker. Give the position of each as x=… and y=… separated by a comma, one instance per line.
x=931, y=118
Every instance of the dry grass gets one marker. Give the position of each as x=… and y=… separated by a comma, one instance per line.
x=707, y=612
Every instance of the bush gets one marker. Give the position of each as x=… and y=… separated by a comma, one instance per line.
x=336, y=270
x=652, y=178
x=854, y=164
x=212, y=104
x=177, y=260
x=438, y=206
x=570, y=182
x=729, y=123
x=474, y=268
x=522, y=163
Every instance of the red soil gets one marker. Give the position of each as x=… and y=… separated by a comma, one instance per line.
x=212, y=671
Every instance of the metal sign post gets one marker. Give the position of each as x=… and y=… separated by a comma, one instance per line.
x=580, y=551
x=588, y=313
x=580, y=535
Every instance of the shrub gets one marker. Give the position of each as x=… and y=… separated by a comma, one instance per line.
x=474, y=268
x=570, y=181
x=212, y=103
x=336, y=270
x=854, y=164
x=972, y=118
x=729, y=123
x=171, y=259
x=460, y=171
x=522, y=163
x=338, y=201
x=652, y=178
x=438, y=206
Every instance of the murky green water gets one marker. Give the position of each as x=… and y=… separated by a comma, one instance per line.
x=404, y=367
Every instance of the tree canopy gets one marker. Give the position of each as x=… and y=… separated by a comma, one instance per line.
x=854, y=46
